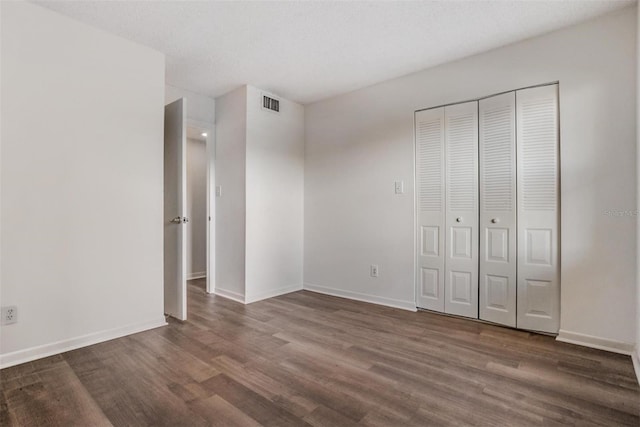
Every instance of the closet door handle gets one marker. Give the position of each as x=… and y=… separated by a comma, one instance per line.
x=495, y=220
x=459, y=219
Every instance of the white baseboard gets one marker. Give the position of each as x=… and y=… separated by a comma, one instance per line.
x=274, y=293
x=38, y=352
x=635, y=357
x=235, y=296
x=595, y=342
x=197, y=275
x=373, y=299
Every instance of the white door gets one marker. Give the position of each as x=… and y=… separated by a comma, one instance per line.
x=430, y=188
x=497, y=116
x=538, y=209
x=175, y=193
x=461, y=219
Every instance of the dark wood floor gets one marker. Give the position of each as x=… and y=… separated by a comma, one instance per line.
x=310, y=359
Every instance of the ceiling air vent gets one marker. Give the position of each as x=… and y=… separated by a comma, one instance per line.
x=270, y=104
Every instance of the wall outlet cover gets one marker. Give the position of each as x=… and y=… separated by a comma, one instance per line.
x=9, y=314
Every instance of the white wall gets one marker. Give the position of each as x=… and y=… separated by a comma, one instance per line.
x=275, y=177
x=82, y=147
x=196, y=208
x=231, y=124
x=259, y=221
x=200, y=108
x=359, y=143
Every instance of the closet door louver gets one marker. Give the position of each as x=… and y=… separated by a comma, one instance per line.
x=461, y=219
x=498, y=287
x=538, y=209
x=430, y=190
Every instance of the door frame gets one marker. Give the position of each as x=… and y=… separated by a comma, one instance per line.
x=210, y=148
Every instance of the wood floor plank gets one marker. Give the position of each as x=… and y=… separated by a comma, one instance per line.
x=263, y=385
x=311, y=359
x=251, y=403
x=219, y=412
x=325, y=417
x=53, y=396
x=180, y=364
x=618, y=399
x=131, y=387
x=313, y=388
x=296, y=404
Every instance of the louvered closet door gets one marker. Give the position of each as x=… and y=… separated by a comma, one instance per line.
x=429, y=128
x=498, y=287
x=538, y=209
x=461, y=165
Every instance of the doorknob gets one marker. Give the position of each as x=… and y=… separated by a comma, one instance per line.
x=495, y=220
x=459, y=219
x=177, y=220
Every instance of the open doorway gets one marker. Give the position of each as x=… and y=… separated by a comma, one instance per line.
x=189, y=243
x=196, y=229
x=203, y=152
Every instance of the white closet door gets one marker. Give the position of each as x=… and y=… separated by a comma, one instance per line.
x=461, y=164
x=538, y=209
x=429, y=128
x=498, y=209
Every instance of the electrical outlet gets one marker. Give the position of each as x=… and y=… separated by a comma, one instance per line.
x=374, y=270
x=9, y=314
x=218, y=190
x=399, y=187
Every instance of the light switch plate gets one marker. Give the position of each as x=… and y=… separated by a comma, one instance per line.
x=399, y=187
x=374, y=270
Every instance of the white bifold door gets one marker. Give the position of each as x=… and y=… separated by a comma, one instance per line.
x=461, y=163
x=430, y=193
x=498, y=286
x=447, y=192
x=487, y=177
x=538, y=306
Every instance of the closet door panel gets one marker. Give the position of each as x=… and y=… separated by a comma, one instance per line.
x=538, y=209
x=497, y=149
x=461, y=222
x=430, y=191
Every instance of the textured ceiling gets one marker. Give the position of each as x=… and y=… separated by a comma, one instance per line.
x=309, y=50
